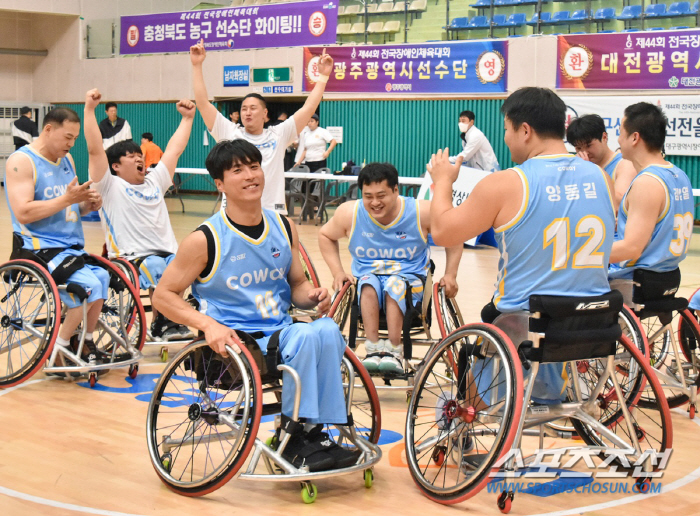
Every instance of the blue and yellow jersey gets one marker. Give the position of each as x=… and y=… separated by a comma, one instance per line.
x=611, y=166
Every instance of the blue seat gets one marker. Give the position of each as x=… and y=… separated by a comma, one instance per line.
x=656, y=28
x=479, y=22
x=695, y=8
x=655, y=10
x=581, y=32
x=501, y=3
x=633, y=29
x=630, y=12
x=516, y=20
x=499, y=20
x=481, y=3
x=679, y=9
x=605, y=13
x=606, y=31
x=579, y=15
x=546, y=17
x=679, y=27
x=459, y=23
x=561, y=17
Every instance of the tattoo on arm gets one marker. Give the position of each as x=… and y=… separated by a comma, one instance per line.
x=15, y=169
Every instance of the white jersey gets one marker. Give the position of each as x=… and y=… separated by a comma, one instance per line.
x=272, y=144
x=135, y=217
x=314, y=143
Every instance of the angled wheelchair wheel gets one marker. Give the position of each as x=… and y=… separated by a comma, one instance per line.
x=308, y=265
x=341, y=305
x=363, y=399
x=129, y=271
x=464, y=412
x=203, y=418
x=649, y=422
x=123, y=319
x=30, y=317
x=448, y=315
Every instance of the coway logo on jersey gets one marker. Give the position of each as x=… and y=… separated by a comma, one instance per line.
x=257, y=277
x=595, y=305
x=146, y=197
x=275, y=252
x=401, y=235
x=401, y=252
x=54, y=191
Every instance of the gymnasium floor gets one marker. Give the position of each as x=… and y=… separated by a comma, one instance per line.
x=68, y=449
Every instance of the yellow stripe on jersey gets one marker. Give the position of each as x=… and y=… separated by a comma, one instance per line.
x=395, y=221
x=217, y=254
x=354, y=218
x=668, y=196
x=284, y=228
x=523, y=205
x=245, y=237
x=420, y=230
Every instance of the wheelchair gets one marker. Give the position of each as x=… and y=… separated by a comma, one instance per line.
x=209, y=416
x=471, y=406
x=670, y=331
x=416, y=329
x=30, y=318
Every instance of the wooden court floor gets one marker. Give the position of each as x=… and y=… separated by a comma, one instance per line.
x=67, y=449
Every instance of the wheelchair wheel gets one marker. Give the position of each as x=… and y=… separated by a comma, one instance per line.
x=129, y=271
x=448, y=315
x=309, y=268
x=364, y=404
x=464, y=412
x=341, y=304
x=648, y=408
x=30, y=317
x=203, y=418
x=123, y=318
x=689, y=335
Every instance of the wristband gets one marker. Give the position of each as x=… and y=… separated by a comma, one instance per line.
x=323, y=78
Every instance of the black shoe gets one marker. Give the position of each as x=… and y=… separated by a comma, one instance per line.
x=344, y=457
x=301, y=452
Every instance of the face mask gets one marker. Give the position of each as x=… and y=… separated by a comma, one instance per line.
x=463, y=128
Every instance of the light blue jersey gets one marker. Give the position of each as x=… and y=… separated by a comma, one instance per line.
x=397, y=248
x=247, y=288
x=61, y=230
x=674, y=227
x=611, y=166
x=560, y=240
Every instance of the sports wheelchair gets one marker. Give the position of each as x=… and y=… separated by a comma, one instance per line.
x=471, y=406
x=345, y=310
x=30, y=318
x=669, y=330
x=208, y=413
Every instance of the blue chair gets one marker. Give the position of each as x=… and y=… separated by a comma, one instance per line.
x=501, y=3
x=633, y=29
x=605, y=13
x=679, y=27
x=481, y=3
x=516, y=20
x=630, y=12
x=606, y=31
x=656, y=28
x=499, y=20
x=515, y=36
x=581, y=32
x=479, y=22
x=695, y=8
x=579, y=15
x=655, y=10
x=561, y=17
x=546, y=17
x=679, y=9
x=459, y=23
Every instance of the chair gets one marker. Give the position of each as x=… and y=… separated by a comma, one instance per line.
x=344, y=28
x=679, y=9
x=630, y=12
x=605, y=13
x=632, y=29
x=385, y=7
x=655, y=28
x=499, y=20
x=545, y=18
x=418, y=6
x=351, y=10
x=371, y=8
x=392, y=27
x=481, y=3
x=341, y=11
x=579, y=15
x=375, y=27
x=516, y=20
x=679, y=27
x=295, y=190
x=478, y=22
x=459, y=23
x=400, y=6
x=560, y=17
x=357, y=28
x=655, y=11
x=695, y=8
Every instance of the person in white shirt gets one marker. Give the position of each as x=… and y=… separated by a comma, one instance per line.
x=312, y=145
x=113, y=128
x=134, y=214
x=271, y=141
x=476, y=149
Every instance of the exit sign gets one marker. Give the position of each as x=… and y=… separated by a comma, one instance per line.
x=272, y=75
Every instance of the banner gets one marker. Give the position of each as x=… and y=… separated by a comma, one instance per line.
x=459, y=67
x=260, y=26
x=659, y=60
x=683, y=113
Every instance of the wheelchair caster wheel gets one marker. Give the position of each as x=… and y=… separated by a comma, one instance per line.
x=308, y=492
x=691, y=412
x=93, y=380
x=408, y=396
x=163, y=354
x=133, y=371
x=642, y=484
x=439, y=455
x=640, y=433
x=272, y=442
x=369, y=478
x=167, y=461
x=504, y=502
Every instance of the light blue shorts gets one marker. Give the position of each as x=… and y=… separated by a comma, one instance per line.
x=94, y=279
x=393, y=286
x=151, y=270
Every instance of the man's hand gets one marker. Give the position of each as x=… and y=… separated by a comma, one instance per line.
x=325, y=64
x=219, y=336
x=197, y=53
x=449, y=283
x=340, y=279
x=92, y=98
x=321, y=298
x=441, y=169
x=94, y=201
x=583, y=155
x=186, y=108
x=76, y=193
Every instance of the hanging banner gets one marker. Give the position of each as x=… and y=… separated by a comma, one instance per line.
x=682, y=111
x=459, y=67
x=260, y=26
x=658, y=60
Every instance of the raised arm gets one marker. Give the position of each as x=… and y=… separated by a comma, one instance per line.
x=304, y=295
x=97, y=157
x=302, y=117
x=329, y=235
x=206, y=108
x=178, y=141
x=453, y=254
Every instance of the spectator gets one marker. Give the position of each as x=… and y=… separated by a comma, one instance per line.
x=151, y=152
x=113, y=128
x=312, y=145
x=235, y=117
x=476, y=149
x=24, y=129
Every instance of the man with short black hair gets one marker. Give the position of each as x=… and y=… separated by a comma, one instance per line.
x=113, y=128
x=150, y=151
x=476, y=149
x=24, y=129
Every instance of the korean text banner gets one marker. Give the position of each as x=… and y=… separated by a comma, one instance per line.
x=465, y=67
x=682, y=111
x=667, y=60
x=263, y=26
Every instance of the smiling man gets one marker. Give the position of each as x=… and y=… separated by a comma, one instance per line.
x=134, y=215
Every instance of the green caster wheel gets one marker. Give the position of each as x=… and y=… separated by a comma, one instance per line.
x=272, y=442
x=163, y=354
x=308, y=492
x=167, y=461
x=369, y=478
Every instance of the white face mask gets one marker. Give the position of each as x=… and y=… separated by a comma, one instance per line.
x=463, y=128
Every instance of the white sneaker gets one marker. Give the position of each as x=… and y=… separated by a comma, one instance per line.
x=372, y=363
x=391, y=364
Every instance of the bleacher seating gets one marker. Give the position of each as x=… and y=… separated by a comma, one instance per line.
x=560, y=17
x=499, y=20
x=605, y=13
x=695, y=8
x=630, y=12
x=479, y=22
x=655, y=10
x=516, y=20
x=546, y=17
x=679, y=9
x=579, y=15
